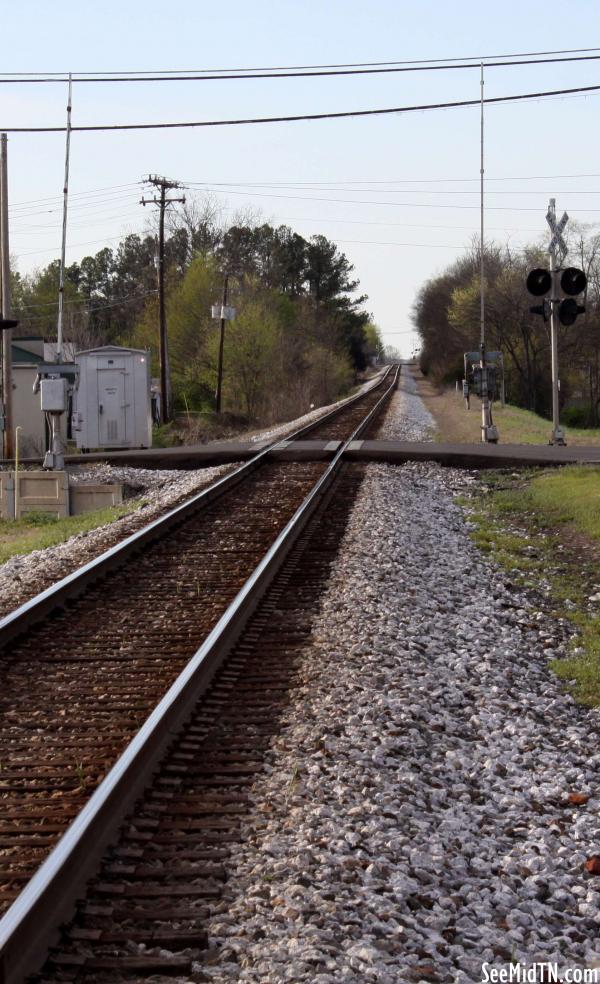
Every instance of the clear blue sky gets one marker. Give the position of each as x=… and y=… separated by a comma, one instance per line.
x=394, y=177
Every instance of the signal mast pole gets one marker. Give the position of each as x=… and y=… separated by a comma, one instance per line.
x=558, y=434
x=6, y=304
x=55, y=456
x=489, y=431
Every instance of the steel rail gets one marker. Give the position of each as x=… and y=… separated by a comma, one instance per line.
x=74, y=584
x=33, y=920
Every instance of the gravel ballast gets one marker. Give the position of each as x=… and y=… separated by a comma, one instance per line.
x=413, y=821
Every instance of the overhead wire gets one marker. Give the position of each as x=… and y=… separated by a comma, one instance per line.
x=436, y=65
x=274, y=184
x=101, y=307
x=346, y=114
x=333, y=186
x=75, y=194
x=353, y=201
x=263, y=68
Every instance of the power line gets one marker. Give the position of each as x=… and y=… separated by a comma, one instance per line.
x=320, y=184
x=294, y=74
x=51, y=227
x=86, y=300
x=89, y=242
x=101, y=307
x=370, y=242
x=354, y=201
x=458, y=104
x=78, y=194
x=78, y=206
x=340, y=186
x=426, y=64
x=92, y=193
x=403, y=225
x=25, y=210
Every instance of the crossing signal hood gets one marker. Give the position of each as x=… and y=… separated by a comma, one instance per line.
x=539, y=283
x=572, y=282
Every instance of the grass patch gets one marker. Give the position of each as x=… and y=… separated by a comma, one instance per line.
x=545, y=529
x=570, y=495
x=38, y=530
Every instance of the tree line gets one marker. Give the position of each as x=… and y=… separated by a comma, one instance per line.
x=301, y=333
x=446, y=314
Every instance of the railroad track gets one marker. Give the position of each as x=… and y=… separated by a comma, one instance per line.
x=107, y=666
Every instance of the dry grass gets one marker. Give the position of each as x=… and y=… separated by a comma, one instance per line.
x=456, y=425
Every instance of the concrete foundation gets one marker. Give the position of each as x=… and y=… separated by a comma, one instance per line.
x=86, y=498
x=35, y=491
x=49, y=492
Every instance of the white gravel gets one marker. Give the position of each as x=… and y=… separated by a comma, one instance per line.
x=407, y=418
x=413, y=818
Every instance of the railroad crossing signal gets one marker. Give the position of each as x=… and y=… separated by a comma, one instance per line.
x=572, y=282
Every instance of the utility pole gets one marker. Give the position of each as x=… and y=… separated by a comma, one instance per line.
x=6, y=304
x=162, y=201
x=221, y=342
x=223, y=313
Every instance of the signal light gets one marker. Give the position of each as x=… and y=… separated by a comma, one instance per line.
x=539, y=282
x=573, y=281
x=568, y=311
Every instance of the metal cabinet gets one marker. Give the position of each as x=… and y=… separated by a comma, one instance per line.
x=111, y=407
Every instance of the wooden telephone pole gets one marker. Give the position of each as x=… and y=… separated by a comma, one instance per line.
x=162, y=201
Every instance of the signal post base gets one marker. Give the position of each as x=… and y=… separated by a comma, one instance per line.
x=558, y=437
x=489, y=434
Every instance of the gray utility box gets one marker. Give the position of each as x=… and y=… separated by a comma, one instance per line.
x=54, y=395
x=111, y=405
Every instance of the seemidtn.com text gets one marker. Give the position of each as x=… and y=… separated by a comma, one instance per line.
x=542, y=972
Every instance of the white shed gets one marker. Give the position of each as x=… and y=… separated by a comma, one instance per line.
x=111, y=406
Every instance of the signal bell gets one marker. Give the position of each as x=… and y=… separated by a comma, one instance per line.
x=573, y=281
x=539, y=282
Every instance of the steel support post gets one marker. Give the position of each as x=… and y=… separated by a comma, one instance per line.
x=558, y=435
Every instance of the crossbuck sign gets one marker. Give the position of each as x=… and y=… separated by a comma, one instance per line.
x=556, y=228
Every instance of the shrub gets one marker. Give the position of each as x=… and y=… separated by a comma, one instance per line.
x=576, y=416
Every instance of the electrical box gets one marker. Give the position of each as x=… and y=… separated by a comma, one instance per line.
x=111, y=405
x=54, y=395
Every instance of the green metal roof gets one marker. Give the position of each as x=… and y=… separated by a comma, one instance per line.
x=21, y=355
